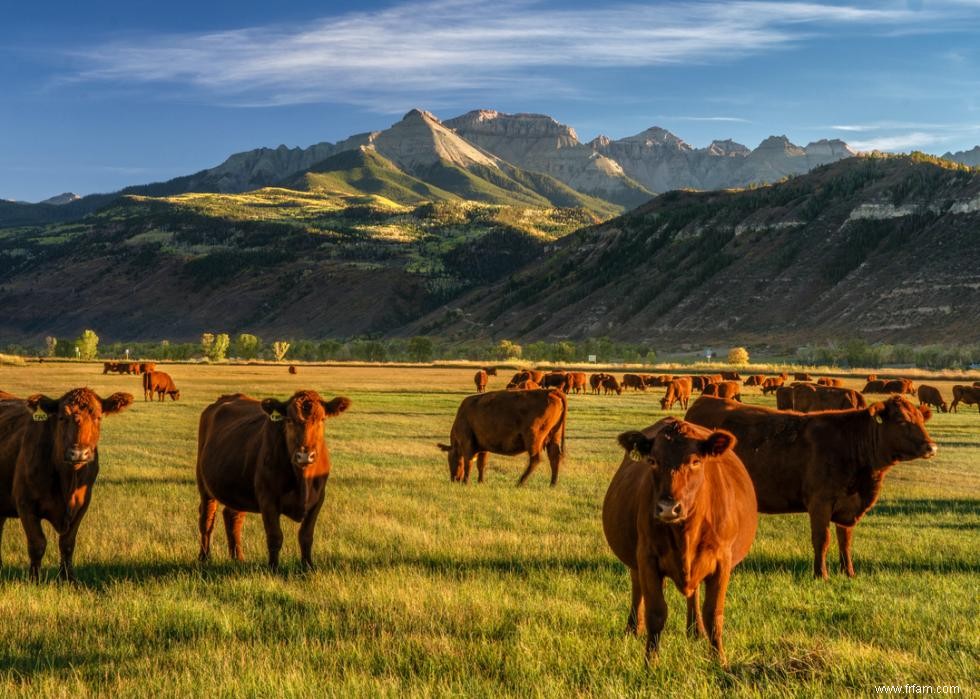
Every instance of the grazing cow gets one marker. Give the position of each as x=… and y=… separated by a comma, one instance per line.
x=652, y=381
x=874, y=386
x=730, y=376
x=699, y=382
x=49, y=460
x=829, y=381
x=802, y=376
x=536, y=375
x=555, y=379
x=110, y=367
x=725, y=389
x=480, y=379
x=293, y=370
x=634, y=381
x=678, y=391
x=809, y=398
x=930, y=395
x=771, y=384
x=161, y=384
x=755, y=380
x=509, y=423
x=611, y=385
x=576, y=382
x=265, y=456
x=147, y=366
x=968, y=395
x=681, y=507
x=901, y=386
x=595, y=381
x=526, y=385
x=829, y=464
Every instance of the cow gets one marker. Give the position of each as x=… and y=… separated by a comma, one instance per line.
x=480, y=380
x=634, y=381
x=293, y=370
x=680, y=507
x=595, y=381
x=678, y=391
x=771, y=384
x=754, y=380
x=802, y=376
x=874, y=386
x=829, y=464
x=144, y=367
x=725, y=389
x=611, y=385
x=526, y=385
x=110, y=367
x=650, y=380
x=266, y=456
x=555, y=379
x=872, y=377
x=576, y=382
x=968, y=395
x=161, y=384
x=808, y=398
x=730, y=376
x=49, y=460
x=699, y=382
x=508, y=423
x=8, y=396
x=930, y=395
x=829, y=381
x=901, y=386
x=536, y=375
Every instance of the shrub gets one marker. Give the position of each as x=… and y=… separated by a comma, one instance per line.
x=87, y=345
x=738, y=356
x=279, y=349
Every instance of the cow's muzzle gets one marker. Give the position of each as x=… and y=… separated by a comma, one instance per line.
x=79, y=455
x=670, y=511
x=929, y=450
x=303, y=458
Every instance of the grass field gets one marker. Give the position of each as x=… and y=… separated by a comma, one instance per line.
x=426, y=588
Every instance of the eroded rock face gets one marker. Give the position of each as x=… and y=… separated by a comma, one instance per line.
x=965, y=157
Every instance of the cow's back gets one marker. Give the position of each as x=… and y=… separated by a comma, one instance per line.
x=499, y=421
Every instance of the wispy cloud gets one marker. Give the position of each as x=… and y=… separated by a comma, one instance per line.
x=904, y=136
x=419, y=51
x=729, y=119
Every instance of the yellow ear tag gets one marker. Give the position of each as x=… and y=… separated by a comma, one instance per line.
x=275, y=416
x=40, y=416
x=635, y=454
x=879, y=420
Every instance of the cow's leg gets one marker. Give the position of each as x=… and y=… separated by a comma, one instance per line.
x=205, y=523
x=844, y=536
x=633, y=621
x=273, y=535
x=533, y=460
x=716, y=585
x=36, y=543
x=306, y=533
x=695, y=622
x=233, y=530
x=820, y=536
x=66, y=547
x=655, y=612
x=554, y=458
x=481, y=465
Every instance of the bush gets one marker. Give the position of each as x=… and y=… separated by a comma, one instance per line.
x=87, y=345
x=739, y=356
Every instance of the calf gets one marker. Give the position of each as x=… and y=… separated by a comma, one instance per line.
x=264, y=456
x=49, y=460
x=968, y=395
x=509, y=423
x=830, y=464
x=480, y=380
x=576, y=382
x=678, y=391
x=930, y=395
x=161, y=384
x=681, y=507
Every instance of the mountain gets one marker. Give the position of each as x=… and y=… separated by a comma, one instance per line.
x=970, y=157
x=61, y=199
x=878, y=248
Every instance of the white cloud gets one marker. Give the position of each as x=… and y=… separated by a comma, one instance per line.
x=915, y=140
x=418, y=51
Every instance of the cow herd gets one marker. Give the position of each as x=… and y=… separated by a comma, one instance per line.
x=683, y=505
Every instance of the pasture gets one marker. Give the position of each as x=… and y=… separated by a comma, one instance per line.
x=427, y=588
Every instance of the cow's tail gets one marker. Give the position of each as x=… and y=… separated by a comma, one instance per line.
x=444, y=447
x=564, y=415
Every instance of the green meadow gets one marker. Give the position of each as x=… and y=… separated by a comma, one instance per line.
x=428, y=588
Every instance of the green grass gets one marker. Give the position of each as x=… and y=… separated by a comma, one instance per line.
x=426, y=588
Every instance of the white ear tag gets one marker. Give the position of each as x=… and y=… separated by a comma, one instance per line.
x=275, y=416
x=635, y=454
x=40, y=416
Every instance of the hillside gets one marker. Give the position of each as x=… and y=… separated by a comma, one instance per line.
x=872, y=247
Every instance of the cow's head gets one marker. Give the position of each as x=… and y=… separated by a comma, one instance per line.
x=676, y=455
x=174, y=395
x=902, y=431
x=302, y=416
x=75, y=421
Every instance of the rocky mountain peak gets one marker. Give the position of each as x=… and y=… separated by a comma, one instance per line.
x=61, y=199
x=727, y=148
x=657, y=136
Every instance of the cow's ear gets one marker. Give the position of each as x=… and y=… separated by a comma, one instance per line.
x=717, y=443
x=275, y=409
x=336, y=406
x=116, y=402
x=926, y=412
x=41, y=403
x=875, y=410
x=635, y=442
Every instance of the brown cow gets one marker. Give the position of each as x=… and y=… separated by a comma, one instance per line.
x=809, y=398
x=634, y=381
x=725, y=389
x=509, y=423
x=49, y=460
x=595, y=381
x=536, y=375
x=680, y=507
x=161, y=384
x=802, y=376
x=968, y=395
x=611, y=385
x=293, y=370
x=901, y=386
x=830, y=381
x=755, y=380
x=874, y=386
x=555, y=379
x=678, y=391
x=526, y=385
x=699, y=382
x=652, y=381
x=772, y=383
x=264, y=456
x=730, y=376
x=480, y=379
x=930, y=395
x=829, y=464
x=147, y=366
x=576, y=382
x=110, y=367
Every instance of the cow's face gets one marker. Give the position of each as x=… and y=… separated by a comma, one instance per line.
x=76, y=421
x=676, y=458
x=175, y=395
x=302, y=417
x=902, y=429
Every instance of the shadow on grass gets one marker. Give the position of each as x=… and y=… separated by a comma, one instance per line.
x=802, y=568
x=140, y=480
x=904, y=508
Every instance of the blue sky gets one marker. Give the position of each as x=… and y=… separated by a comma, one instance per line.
x=96, y=96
